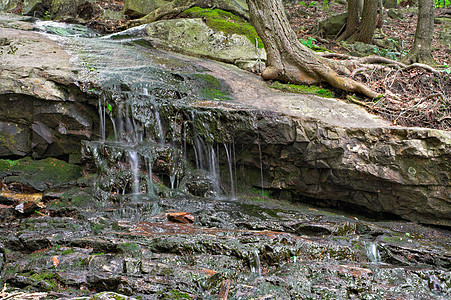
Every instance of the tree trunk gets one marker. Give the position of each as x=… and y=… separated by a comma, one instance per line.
x=290, y=61
x=352, y=22
x=368, y=24
x=421, y=51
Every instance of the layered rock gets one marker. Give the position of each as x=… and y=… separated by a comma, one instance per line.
x=43, y=113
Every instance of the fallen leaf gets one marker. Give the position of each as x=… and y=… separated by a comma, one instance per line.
x=55, y=261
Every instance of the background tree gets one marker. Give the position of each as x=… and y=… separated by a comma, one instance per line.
x=421, y=51
x=361, y=30
x=290, y=61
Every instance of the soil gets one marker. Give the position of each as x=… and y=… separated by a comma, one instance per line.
x=414, y=97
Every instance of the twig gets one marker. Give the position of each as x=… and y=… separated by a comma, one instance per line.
x=224, y=289
x=352, y=99
x=435, y=95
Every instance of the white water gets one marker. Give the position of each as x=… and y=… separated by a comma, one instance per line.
x=134, y=167
x=373, y=254
x=229, y=161
x=256, y=264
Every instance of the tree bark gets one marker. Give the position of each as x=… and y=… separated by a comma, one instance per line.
x=290, y=61
x=368, y=25
x=421, y=51
x=352, y=22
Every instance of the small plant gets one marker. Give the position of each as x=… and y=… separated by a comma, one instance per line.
x=47, y=16
x=442, y=3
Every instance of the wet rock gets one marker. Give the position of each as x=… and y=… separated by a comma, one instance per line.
x=14, y=139
x=103, y=281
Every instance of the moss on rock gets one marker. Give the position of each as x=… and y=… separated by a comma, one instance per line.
x=40, y=174
x=302, y=89
x=224, y=21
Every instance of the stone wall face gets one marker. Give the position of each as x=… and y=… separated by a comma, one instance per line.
x=402, y=171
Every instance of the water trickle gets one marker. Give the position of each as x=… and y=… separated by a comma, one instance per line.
x=102, y=119
x=159, y=125
x=229, y=161
x=261, y=162
x=134, y=167
x=256, y=264
x=373, y=254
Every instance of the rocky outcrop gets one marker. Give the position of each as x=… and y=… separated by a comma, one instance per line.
x=195, y=38
x=43, y=113
x=55, y=9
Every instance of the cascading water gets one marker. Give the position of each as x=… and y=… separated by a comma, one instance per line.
x=373, y=254
x=148, y=128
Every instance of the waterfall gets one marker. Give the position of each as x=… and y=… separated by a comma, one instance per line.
x=134, y=167
x=372, y=252
x=102, y=119
x=256, y=264
x=229, y=161
x=261, y=162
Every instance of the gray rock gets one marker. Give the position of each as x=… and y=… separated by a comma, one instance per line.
x=333, y=25
x=14, y=139
x=140, y=8
x=395, y=14
x=194, y=37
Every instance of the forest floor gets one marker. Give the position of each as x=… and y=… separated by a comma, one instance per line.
x=413, y=97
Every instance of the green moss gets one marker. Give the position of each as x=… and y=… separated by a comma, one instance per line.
x=224, y=21
x=129, y=247
x=211, y=87
x=68, y=251
x=301, y=89
x=176, y=294
x=50, y=278
x=49, y=170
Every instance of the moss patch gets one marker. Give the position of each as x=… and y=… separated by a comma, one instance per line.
x=211, y=87
x=40, y=173
x=224, y=21
x=301, y=89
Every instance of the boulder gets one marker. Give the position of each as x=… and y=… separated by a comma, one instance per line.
x=140, y=8
x=194, y=37
x=333, y=25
